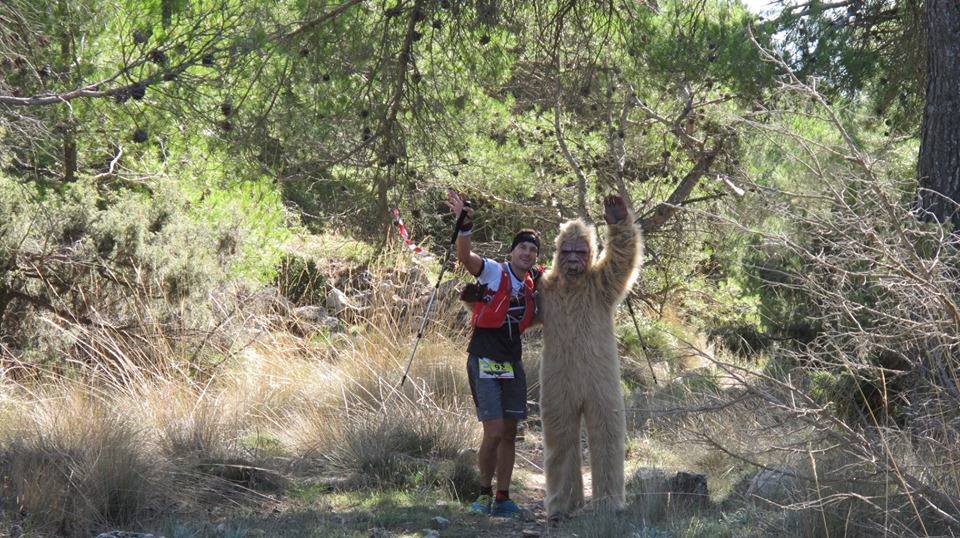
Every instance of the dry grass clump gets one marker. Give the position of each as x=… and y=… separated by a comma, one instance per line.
x=368, y=431
x=277, y=379
x=73, y=461
x=394, y=445
x=112, y=450
x=191, y=422
x=371, y=371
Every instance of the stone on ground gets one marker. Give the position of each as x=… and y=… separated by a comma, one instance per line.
x=439, y=523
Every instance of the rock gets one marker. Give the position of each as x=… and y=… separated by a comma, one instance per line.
x=363, y=280
x=777, y=485
x=526, y=515
x=337, y=301
x=430, y=533
x=377, y=532
x=330, y=323
x=310, y=318
x=688, y=487
x=311, y=313
x=439, y=523
x=662, y=371
x=266, y=300
x=363, y=298
x=651, y=478
x=530, y=533
x=416, y=275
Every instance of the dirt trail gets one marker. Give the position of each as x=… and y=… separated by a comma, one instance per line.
x=530, y=496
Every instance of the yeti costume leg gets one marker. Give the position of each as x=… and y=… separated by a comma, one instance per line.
x=561, y=454
x=580, y=370
x=606, y=430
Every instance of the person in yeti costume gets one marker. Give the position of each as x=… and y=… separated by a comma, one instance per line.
x=580, y=369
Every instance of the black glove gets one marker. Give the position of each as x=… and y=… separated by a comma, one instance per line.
x=467, y=224
x=473, y=293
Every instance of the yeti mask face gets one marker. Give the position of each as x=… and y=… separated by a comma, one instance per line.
x=576, y=250
x=574, y=257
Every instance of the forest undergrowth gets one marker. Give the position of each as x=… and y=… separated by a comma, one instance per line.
x=283, y=417
x=292, y=427
x=231, y=409
x=204, y=320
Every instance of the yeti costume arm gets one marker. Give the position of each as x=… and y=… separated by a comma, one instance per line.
x=617, y=267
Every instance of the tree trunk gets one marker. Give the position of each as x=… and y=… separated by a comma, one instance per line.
x=69, y=140
x=6, y=266
x=4, y=301
x=938, y=168
x=69, y=157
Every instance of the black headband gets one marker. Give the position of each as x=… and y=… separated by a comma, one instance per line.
x=525, y=236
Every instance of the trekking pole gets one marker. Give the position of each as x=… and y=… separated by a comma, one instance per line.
x=433, y=294
x=643, y=346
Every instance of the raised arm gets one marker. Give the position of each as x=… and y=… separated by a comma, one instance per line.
x=622, y=252
x=470, y=261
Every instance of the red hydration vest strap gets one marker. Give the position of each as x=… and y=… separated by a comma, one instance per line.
x=491, y=312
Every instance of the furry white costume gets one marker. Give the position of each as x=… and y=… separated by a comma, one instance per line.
x=580, y=370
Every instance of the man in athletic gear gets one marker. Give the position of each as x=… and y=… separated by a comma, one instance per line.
x=503, y=307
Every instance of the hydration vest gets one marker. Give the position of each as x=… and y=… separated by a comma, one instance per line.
x=491, y=312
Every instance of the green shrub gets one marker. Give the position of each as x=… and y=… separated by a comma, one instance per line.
x=300, y=280
x=788, y=312
x=743, y=339
x=862, y=398
x=139, y=260
x=654, y=341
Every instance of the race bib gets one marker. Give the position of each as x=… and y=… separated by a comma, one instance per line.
x=491, y=369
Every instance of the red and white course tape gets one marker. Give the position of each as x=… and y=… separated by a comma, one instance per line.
x=405, y=235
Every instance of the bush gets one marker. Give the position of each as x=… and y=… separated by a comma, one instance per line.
x=460, y=477
x=392, y=445
x=655, y=340
x=73, y=463
x=191, y=425
x=743, y=339
x=300, y=280
x=389, y=447
x=865, y=389
x=788, y=311
x=118, y=265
